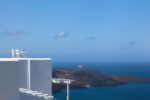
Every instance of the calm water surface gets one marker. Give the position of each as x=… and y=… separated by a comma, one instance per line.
x=124, y=92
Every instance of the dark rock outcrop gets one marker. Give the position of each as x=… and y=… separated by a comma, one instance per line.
x=84, y=79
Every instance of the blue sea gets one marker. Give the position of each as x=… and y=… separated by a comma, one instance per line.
x=133, y=91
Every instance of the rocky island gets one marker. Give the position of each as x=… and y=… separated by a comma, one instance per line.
x=86, y=79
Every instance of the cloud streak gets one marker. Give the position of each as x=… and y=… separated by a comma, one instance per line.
x=133, y=43
x=13, y=33
x=62, y=34
x=90, y=38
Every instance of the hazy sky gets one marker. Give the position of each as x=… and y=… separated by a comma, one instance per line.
x=96, y=30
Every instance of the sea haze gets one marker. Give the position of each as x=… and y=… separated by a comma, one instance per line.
x=133, y=91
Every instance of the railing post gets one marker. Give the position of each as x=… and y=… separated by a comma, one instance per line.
x=68, y=90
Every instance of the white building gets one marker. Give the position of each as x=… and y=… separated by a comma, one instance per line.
x=31, y=76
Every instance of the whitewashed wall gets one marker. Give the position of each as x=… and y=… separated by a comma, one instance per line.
x=23, y=74
x=9, y=80
x=41, y=73
x=13, y=75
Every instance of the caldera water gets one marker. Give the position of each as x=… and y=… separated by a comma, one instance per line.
x=132, y=91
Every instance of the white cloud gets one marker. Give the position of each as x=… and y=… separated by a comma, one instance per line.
x=62, y=34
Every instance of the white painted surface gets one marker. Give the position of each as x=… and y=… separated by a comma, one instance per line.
x=9, y=80
x=13, y=75
x=29, y=74
x=17, y=59
x=40, y=75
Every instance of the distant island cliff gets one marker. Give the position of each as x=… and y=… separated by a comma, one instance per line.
x=85, y=79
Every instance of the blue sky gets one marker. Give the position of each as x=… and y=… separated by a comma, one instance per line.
x=71, y=30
